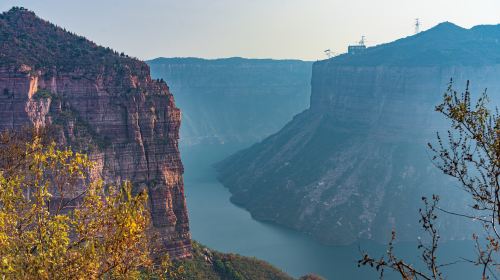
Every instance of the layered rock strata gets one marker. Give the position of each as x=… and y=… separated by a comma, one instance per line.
x=101, y=103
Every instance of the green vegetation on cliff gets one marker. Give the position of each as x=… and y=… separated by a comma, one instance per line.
x=29, y=40
x=213, y=265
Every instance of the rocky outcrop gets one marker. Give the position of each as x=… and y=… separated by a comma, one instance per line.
x=112, y=110
x=355, y=164
x=235, y=100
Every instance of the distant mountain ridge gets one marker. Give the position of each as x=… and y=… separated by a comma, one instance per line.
x=234, y=101
x=355, y=164
x=223, y=61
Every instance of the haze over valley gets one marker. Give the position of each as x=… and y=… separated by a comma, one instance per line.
x=378, y=156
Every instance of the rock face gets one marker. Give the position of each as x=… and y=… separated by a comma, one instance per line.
x=101, y=103
x=235, y=100
x=355, y=164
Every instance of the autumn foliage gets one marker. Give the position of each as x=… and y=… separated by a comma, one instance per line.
x=58, y=220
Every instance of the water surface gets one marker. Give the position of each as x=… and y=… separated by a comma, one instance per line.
x=222, y=226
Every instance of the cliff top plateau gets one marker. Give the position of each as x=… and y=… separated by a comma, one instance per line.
x=444, y=44
x=223, y=61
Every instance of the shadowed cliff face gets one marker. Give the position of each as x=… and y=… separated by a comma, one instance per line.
x=355, y=164
x=234, y=100
x=126, y=122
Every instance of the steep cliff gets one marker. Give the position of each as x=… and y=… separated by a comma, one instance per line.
x=235, y=100
x=102, y=103
x=355, y=164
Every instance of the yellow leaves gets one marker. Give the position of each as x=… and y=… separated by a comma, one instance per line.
x=459, y=112
x=6, y=266
x=132, y=225
x=92, y=231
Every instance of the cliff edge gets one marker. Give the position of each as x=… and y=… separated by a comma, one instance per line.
x=355, y=164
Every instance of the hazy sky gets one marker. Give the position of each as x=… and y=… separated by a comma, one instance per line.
x=251, y=28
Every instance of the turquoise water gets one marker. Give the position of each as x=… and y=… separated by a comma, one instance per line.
x=219, y=224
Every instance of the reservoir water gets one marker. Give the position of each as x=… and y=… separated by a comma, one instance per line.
x=222, y=226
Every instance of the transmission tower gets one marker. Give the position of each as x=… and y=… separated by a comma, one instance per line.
x=417, y=26
x=363, y=41
x=328, y=53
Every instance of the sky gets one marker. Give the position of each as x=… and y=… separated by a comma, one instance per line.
x=297, y=29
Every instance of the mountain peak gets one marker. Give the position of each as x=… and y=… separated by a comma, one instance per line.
x=29, y=40
x=447, y=25
x=21, y=15
x=443, y=30
x=16, y=11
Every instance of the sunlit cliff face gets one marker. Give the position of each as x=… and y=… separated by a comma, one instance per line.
x=112, y=110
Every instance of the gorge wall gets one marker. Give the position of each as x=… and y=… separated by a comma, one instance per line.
x=234, y=100
x=101, y=103
x=355, y=164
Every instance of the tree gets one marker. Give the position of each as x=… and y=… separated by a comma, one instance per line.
x=471, y=154
x=311, y=277
x=60, y=221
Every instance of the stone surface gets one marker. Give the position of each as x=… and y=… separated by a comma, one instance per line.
x=112, y=110
x=355, y=164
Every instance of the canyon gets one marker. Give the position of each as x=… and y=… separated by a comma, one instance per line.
x=355, y=164
x=234, y=101
x=351, y=165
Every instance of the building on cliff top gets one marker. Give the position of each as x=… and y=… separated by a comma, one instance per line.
x=359, y=48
